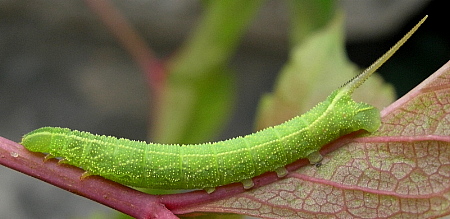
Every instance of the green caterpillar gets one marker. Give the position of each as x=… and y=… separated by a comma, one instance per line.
x=208, y=165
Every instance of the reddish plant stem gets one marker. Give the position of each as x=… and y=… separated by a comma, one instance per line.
x=106, y=192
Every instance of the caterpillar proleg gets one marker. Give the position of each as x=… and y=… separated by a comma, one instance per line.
x=208, y=165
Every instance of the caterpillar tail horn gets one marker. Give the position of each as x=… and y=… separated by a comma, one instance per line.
x=355, y=82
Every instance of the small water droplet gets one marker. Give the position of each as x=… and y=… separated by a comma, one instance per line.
x=14, y=154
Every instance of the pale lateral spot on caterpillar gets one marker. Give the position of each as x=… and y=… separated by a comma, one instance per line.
x=209, y=165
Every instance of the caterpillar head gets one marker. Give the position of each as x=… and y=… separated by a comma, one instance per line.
x=39, y=139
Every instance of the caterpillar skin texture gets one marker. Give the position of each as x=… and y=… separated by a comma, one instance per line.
x=208, y=165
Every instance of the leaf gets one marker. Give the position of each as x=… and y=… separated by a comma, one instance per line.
x=402, y=170
x=317, y=66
